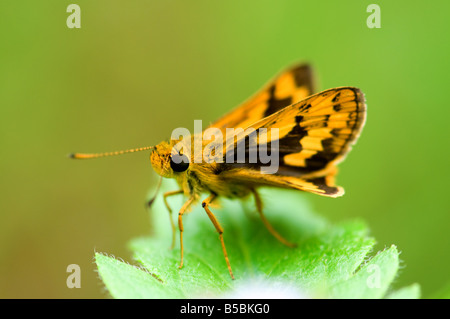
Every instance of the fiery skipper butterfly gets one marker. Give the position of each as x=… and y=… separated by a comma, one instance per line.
x=314, y=132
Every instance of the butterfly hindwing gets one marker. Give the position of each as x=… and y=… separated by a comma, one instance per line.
x=322, y=185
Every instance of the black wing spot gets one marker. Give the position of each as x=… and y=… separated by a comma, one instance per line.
x=321, y=183
x=274, y=104
x=336, y=97
x=305, y=107
x=321, y=159
x=303, y=77
x=337, y=107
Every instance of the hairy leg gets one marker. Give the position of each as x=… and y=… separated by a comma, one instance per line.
x=219, y=228
x=266, y=222
x=170, y=213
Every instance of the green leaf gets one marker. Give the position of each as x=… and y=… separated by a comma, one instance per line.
x=331, y=261
x=410, y=292
x=127, y=281
x=372, y=280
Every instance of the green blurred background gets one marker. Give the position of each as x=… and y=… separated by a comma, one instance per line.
x=138, y=69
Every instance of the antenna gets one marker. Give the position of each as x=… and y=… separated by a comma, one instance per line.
x=96, y=155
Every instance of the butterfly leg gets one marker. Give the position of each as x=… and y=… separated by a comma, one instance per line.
x=269, y=227
x=170, y=212
x=180, y=225
x=219, y=228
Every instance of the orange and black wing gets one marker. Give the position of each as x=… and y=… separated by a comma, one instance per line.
x=313, y=136
x=290, y=86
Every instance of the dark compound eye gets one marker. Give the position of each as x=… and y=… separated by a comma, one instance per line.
x=179, y=163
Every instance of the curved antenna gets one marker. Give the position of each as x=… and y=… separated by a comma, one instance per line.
x=96, y=155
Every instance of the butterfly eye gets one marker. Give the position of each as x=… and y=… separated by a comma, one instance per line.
x=179, y=163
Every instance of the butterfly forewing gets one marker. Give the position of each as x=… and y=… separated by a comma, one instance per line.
x=292, y=85
x=314, y=135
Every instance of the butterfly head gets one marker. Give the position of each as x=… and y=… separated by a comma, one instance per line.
x=168, y=162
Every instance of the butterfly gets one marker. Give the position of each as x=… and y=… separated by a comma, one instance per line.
x=315, y=132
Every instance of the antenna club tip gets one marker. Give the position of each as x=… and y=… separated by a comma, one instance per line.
x=96, y=155
x=78, y=156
